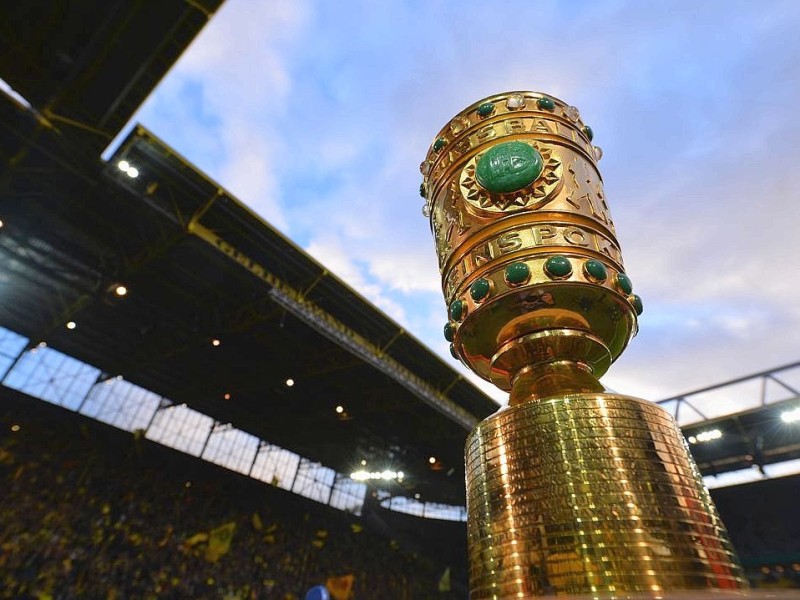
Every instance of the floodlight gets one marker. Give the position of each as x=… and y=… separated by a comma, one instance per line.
x=791, y=416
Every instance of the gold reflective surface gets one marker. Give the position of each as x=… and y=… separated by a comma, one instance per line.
x=570, y=491
x=590, y=494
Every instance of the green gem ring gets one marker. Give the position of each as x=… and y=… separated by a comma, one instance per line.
x=636, y=302
x=480, y=289
x=517, y=274
x=546, y=103
x=449, y=332
x=595, y=271
x=558, y=267
x=457, y=310
x=624, y=283
x=485, y=109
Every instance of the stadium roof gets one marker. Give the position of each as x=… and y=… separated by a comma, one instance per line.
x=197, y=264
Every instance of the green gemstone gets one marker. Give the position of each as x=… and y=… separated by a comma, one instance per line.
x=588, y=131
x=637, y=304
x=456, y=310
x=624, y=283
x=517, y=273
x=509, y=167
x=558, y=266
x=422, y=189
x=546, y=103
x=449, y=331
x=441, y=143
x=485, y=109
x=595, y=270
x=453, y=352
x=479, y=289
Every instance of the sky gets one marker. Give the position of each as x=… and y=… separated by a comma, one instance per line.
x=317, y=115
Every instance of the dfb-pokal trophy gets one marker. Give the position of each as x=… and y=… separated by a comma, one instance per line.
x=570, y=490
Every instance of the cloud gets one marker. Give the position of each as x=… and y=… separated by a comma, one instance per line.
x=318, y=115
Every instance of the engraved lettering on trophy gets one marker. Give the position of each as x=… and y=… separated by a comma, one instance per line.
x=575, y=236
x=481, y=255
x=485, y=133
x=542, y=233
x=541, y=126
x=460, y=147
x=509, y=242
x=514, y=126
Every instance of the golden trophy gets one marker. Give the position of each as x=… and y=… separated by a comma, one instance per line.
x=570, y=490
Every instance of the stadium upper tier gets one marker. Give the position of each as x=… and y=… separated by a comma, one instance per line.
x=167, y=280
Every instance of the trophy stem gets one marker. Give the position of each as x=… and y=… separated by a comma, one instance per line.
x=538, y=381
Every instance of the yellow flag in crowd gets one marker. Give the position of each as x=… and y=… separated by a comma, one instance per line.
x=341, y=588
x=444, y=582
x=197, y=538
x=219, y=541
x=258, y=524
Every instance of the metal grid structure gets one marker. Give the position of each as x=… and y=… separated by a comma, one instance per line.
x=54, y=377
x=737, y=430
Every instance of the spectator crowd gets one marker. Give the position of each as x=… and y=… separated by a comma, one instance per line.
x=88, y=513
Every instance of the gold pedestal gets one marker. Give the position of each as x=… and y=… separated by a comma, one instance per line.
x=589, y=494
x=570, y=490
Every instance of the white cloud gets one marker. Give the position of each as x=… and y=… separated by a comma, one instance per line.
x=317, y=116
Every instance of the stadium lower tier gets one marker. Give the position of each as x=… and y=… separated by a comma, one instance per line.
x=88, y=511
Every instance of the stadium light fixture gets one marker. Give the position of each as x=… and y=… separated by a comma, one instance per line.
x=791, y=416
x=227, y=396
x=15, y=428
x=1, y=223
x=432, y=460
x=215, y=342
x=363, y=463
x=339, y=409
x=71, y=325
x=416, y=496
x=289, y=382
x=121, y=291
x=128, y=169
x=705, y=436
x=376, y=475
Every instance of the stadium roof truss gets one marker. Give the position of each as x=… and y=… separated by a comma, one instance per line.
x=221, y=309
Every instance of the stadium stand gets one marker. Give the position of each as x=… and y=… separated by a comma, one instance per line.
x=91, y=511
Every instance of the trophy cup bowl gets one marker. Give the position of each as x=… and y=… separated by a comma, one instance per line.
x=570, y=489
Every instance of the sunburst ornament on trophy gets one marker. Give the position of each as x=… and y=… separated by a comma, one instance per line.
x=511, y=176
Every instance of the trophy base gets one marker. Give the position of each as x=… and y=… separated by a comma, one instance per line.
x=591, y=494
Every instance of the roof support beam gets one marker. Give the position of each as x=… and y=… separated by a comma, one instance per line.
x=295, y=302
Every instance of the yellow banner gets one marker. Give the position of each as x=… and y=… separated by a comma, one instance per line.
x=219, y=541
